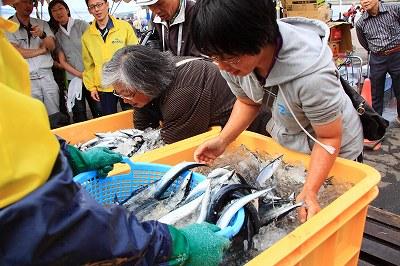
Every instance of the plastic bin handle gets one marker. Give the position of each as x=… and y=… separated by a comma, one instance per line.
x=80, y=178
x=128, y=161
x=234, y=226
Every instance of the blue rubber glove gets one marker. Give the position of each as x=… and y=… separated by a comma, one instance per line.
x=99, y=159
x=197, y=244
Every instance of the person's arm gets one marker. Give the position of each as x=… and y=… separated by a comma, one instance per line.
x=320, y=164
x=47, y=36
x=361, y=37
x=71, y=228
x=147, y=116
x=66, y=66
x=131, y=36
x=88, y=71
x=322, y=100
x=243, y=113
x=29, y=53
x=49, y=43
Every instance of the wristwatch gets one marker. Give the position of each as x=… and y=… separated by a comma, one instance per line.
x=44, y=35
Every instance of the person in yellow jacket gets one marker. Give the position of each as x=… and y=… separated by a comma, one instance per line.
x=100, y=41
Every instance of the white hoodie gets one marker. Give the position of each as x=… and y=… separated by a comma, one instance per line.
x=305, y=73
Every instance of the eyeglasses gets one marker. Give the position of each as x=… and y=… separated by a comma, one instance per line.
x=124, y=97
x=96, y=6
x=229, y=61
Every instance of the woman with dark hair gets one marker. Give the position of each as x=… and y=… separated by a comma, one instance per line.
x=68, y=35
x=258, y=55
x=186, y=96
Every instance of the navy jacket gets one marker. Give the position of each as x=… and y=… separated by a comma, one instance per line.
x=60, y=224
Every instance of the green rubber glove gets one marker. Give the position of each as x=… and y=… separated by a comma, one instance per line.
x=197, y=244
x=100, y=159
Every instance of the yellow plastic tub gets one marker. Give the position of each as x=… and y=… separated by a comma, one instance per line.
x=84, y=131
x=332, y=237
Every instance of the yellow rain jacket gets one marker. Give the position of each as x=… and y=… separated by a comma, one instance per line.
x=96, y=52
x=28, y=149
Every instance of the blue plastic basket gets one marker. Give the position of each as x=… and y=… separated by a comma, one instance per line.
x=106, y=190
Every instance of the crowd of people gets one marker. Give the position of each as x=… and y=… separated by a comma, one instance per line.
x=218, y=62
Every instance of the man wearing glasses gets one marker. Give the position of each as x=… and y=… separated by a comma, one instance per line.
x=258, y=55
x=100, y=41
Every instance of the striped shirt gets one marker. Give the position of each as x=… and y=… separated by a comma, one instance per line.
x=381, y=32
x=197, y=99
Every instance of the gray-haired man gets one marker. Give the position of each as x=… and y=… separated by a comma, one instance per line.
x=172, y=22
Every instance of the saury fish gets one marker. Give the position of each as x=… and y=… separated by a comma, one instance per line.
x=267, y=172
x=276, y=213
x=181, y=212
x=144, y=197
x=171, y=175
x=160, y=208
x=204, y=205
x=230, y=211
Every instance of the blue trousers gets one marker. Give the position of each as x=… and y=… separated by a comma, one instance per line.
x=79, y=109
x=109, y=102
x=380, y=65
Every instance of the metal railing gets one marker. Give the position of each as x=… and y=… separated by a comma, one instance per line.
x=351, y=70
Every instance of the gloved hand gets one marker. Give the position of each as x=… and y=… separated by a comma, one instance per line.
x=100, y=159
x=197, y=244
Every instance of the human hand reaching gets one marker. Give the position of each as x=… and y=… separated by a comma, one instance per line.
x=210, y=150
x=310, y=206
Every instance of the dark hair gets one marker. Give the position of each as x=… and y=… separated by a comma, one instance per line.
x=140, y=68
x=52, y=22
x=55, y=2
x=233, y=27
x=88, y=1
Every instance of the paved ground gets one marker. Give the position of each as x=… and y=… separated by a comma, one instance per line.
x=387, y=159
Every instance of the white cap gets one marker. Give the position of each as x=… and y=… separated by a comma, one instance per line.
x=144, y=2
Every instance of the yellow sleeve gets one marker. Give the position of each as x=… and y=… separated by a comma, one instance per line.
x=88, y=67
x=28, y=149
x=132, y=39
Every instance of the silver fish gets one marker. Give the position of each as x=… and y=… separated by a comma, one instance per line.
x=275, y=213
x=145, y=197
x=217, y=172
x=231, y=210
x=89, y=143
x=163, y=207
x=131, y=132
x=110, y=135
x=197, y=190
x=267, y=172
x=185, y=210
x=171, y=175
x=204, y=206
